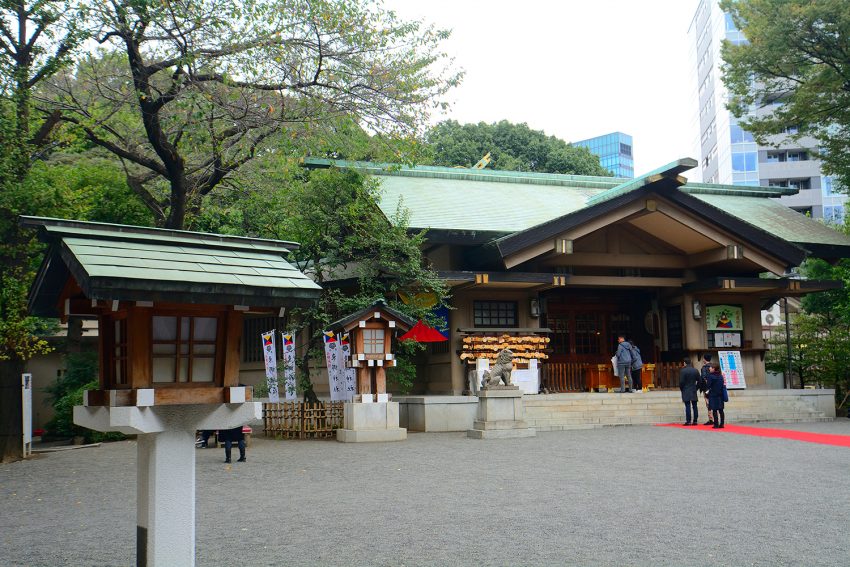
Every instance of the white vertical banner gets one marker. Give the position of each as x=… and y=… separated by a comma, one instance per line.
x=270, y=358
x=333, y=360
x=26, y=399
x=289, y=365
x=349, y=372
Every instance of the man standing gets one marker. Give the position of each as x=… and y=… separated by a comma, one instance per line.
x=624, y=361
x=688, y=379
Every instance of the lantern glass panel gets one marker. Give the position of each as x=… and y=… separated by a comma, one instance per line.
x=373, y=341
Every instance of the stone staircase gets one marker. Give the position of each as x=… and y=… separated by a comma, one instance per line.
x=554, y=412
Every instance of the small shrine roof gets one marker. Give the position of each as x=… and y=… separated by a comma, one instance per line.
x=119, y=262
x=381, y=305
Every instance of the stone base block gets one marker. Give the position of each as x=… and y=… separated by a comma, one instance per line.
x=501, y=415
x=369, y=422
x=501, y=433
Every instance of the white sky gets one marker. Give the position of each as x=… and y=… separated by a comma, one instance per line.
x=575, y=69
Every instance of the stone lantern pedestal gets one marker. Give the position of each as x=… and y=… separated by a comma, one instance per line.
x=165, y=479
x=375, y=421
x=501, y=415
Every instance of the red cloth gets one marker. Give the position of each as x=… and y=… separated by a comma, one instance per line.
x=422, y=333
x=806, y=436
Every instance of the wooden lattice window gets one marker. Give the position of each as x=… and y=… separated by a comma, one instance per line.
x=373, y=341
x=587, y=333
x=184, y=348
x=495, y=313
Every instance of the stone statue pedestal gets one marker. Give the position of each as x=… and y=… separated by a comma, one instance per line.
x=501, y=415
x=370, y=422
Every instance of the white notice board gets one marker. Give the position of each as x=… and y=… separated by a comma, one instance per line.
x=733, y=369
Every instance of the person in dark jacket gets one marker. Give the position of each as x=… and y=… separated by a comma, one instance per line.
x=230, y=436
x=715, y=395
x=624, y=361
x=637, y=365
x=688, y=381
x=703, y=384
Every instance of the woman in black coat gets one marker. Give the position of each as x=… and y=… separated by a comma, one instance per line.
x=715, y=395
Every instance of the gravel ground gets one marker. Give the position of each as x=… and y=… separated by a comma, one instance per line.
x=613, y=496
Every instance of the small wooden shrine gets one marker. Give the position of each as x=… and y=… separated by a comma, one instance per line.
x=372, y=416
x=371, y=331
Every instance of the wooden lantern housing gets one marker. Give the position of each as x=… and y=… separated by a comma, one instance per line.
x=169, y=305
x=371, y=330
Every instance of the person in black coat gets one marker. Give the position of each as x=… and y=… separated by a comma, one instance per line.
x=230, y=436
x=688, y=380
x=715, y=395
x=703, y=384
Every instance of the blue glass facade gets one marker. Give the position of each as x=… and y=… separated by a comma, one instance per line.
x=614, y=151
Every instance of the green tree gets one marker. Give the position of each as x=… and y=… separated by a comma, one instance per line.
x=347, y=244
x=793, y=74
x=820, y=353
x=36, y=39
x=186, y=93
x=512, y=147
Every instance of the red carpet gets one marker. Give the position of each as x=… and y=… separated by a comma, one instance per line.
x=808, y=437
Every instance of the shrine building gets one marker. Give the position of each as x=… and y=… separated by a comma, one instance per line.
x=680, y=268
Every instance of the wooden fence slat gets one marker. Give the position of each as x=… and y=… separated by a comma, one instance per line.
x=299, y=420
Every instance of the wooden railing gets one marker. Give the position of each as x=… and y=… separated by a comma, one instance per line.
x=559, y=377
x=298, y=420
x=564, y=376
x=666, y=376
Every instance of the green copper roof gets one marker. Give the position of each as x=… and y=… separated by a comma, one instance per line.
x=777, y=219
x=116, y=262
x=507, y=202
x=669, y=171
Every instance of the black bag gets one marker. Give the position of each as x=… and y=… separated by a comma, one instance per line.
x=725, y=394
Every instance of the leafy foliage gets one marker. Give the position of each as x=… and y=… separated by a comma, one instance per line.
x=513, y=147
x=820, y=353
x=347, y=244
x=186, y=93
x=794, y=69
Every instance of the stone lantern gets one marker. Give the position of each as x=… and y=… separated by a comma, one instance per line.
x=170, y=307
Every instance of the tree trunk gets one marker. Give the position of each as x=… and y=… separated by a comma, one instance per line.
x=11, y=411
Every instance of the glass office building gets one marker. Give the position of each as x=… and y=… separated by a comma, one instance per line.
x=729, y=154
x=614, y=151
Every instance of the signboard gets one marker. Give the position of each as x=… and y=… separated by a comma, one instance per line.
x=727, y=340
x=26, y=399
x=270, y=358
x=732, y=369
x=724, y=318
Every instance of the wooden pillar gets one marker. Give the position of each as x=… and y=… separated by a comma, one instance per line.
x=364, y=379
x=380, y=380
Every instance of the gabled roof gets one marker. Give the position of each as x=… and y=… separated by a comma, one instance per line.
x=380, y=305
x=513, y=207
x=119, y=262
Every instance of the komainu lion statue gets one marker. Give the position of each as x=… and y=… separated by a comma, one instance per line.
x=501, y=371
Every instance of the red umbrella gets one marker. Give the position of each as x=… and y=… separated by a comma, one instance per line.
x=422, y=333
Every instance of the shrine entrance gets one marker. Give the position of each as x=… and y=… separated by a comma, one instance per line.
x=585, y=325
